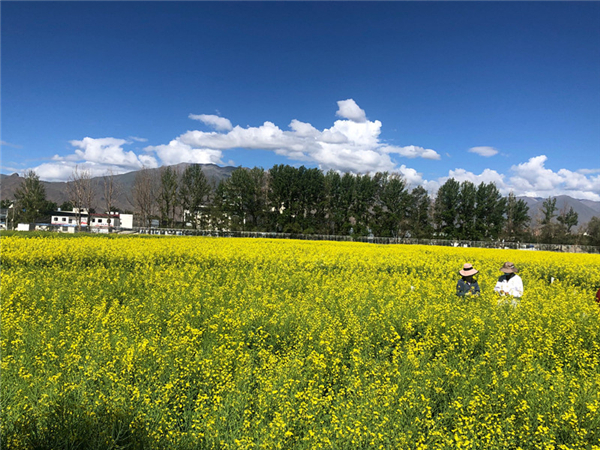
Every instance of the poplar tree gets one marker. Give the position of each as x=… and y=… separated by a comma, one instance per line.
x=419, y=204
x=446, y=209
x=489, y=212
x=144, y=194
x=81, y=194
x=466, y=211
x=30, y=197
x=243, y=198
x=168, y=195
x=194, y=192
x=517, y=217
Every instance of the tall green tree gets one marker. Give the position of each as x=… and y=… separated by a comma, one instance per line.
x=549, y=230
x=365, y=193
x=243, y=198
x=194, y=192
x=593, y=231
x=284, y=198
x=466, y=211
x=30, y=198
x=311, y=199
x=517, y=218
x=419, y=205
x=548, y=210
x=334, y=216
x=347, y=200
x=568, y=219
x=167, y=197
x=447, y=209
x=391, y=205
x=489, y=212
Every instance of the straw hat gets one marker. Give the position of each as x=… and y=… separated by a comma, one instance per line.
x=509, y=267
x=468, y=270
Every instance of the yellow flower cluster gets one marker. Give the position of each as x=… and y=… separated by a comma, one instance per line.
x=277, y=344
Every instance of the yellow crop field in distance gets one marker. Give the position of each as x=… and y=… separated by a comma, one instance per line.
x=216, y=343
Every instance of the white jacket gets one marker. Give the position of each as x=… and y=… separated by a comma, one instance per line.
x=513, y=287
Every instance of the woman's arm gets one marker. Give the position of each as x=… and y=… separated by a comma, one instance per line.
x=461, y=288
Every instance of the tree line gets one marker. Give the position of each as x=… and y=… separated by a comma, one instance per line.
x=302, y=200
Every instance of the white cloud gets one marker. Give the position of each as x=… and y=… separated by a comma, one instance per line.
x=62, y=170
x=176, y=152
x=534, y=179
x=589, y=171
x=530, y=179
x=8, y=144
x=348, y=109
x=484, y=151
x=137, y=139
x=352, y=144
x=104, y=151
x=59, y=171
x=411, y=176
x=412, y=151
x=218, y=123
x=533, y=176
x=96, y=155
x=487, y=176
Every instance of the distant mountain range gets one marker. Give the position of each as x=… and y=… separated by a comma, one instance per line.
x=585, y=209
x=57, y=192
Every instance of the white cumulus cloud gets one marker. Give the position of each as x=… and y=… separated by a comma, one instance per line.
x=217, y=122
x=531, y=178
x=351, y=144
x=484, y=151
x=588, y=171
x=176, y=152
x=412, y=151
x=487, y=176
x=348, y=109
x=97, y=155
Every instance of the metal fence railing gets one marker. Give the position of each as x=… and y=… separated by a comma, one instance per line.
x=567, y=248
x=570, y=248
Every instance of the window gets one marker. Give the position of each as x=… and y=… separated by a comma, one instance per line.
x=70, y=220
x=99, y=220
x=64, y=219
x=55, y=219
x=93, y=220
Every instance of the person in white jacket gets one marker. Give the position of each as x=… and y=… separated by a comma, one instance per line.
x=510, y=283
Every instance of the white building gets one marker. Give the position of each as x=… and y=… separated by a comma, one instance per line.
x=67, y=220
x=126, y=221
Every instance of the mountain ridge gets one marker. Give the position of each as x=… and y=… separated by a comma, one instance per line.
x=56, y=191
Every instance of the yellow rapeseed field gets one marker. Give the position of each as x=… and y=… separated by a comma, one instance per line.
x=208, y=343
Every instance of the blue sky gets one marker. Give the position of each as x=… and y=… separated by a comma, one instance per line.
x=507, y=92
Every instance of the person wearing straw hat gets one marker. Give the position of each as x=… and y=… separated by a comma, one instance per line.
x=510, y=283
x=467, y=285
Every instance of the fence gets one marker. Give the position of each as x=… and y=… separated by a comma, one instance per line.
x=574, y=248
x=567, y=248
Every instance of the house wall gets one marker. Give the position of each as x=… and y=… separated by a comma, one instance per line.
x=126, y=221
x=58, y=219
x=102, y=222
